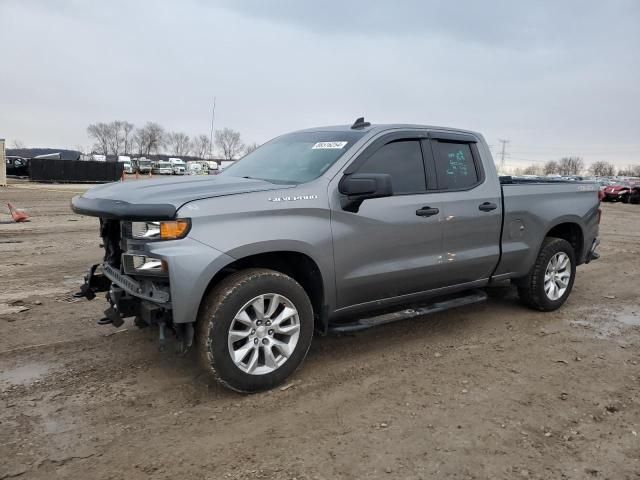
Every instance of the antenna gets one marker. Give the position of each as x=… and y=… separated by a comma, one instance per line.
x=360, y=123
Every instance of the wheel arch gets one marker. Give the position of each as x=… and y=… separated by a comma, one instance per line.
x=572, y=232
x=297, y=265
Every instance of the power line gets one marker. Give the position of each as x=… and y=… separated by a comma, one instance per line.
x=213, y=117
x=503, y=152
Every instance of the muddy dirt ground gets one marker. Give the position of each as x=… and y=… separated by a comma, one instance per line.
x=491, y=391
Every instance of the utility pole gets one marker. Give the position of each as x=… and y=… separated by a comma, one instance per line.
x=503, y=153
x=3, y=165
x=213, y=117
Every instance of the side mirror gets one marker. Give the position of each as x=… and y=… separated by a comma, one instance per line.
x=358, y=187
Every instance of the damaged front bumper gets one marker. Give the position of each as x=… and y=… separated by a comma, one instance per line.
x=148, y=301
x=168, y=296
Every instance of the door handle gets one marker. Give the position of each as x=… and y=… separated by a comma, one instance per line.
x=487, y=206
x=427, y=211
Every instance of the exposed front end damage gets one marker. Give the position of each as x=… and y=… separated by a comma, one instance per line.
x=134, y=287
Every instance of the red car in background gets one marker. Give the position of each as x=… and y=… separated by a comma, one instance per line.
x=617, y=193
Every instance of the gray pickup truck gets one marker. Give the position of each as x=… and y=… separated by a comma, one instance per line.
x=331, y=229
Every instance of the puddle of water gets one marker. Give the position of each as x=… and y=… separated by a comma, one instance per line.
x=24, y=374
x=629, y=316
x=609, y=323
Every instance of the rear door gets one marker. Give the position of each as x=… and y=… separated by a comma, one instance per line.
x=471, y=207
x=392, y=246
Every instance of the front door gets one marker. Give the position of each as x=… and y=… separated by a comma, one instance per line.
x=391, y=246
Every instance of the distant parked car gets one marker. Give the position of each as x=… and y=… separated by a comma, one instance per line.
x=178, y=166
x=143, y=165
x=162, y=167
x=17, y=166
x=617, y=193
x=194, y=168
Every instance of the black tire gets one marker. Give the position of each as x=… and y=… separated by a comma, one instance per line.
x=217, y=312
x=531, y=289
x=625, y=199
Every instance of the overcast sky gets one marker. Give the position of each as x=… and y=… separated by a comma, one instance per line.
x=555, y=78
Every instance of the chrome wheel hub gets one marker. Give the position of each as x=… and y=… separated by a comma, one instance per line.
x=557, y=276
x=263, y=334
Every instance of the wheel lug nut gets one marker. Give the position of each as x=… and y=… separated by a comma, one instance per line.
x=270, y=332
x=268, y=323
x=253, y=331
x=265, y=341
x=259, y=322
x=255, y=340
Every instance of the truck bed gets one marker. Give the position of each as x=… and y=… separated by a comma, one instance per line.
x=528, y=206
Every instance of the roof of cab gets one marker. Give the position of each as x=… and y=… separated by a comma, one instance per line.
x=377, y=128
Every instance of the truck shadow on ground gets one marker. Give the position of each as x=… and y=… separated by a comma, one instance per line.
x=439, y=331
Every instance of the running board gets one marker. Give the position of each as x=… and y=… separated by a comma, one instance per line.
x=471, y=297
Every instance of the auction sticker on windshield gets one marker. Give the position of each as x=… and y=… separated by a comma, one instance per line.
x=329, y=145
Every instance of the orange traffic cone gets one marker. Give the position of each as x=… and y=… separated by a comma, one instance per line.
x=17, y=214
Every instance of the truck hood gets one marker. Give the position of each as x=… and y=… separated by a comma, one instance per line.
x=160, y=199
x=616, y=188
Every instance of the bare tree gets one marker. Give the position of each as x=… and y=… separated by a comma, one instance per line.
x=149, y=138
x=570, y=166
x=127, y=132
x=111, y=138
x=200, y=146
x=630, y=171
x=115, y=137
x=250, y=148
x=533, y=170
x=602, y=169
x=551, y=167
x=18, y=144
x=179, y=143
x=229, y=142
x=101, y=133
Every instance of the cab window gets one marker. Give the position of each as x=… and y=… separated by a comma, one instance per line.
x=455, y=165
x=402, y=160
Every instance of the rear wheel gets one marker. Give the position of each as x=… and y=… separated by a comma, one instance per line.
x=254, y=329
x=551, y=278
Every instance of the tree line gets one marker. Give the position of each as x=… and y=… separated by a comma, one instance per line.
x=575, y=166
x=123, y=138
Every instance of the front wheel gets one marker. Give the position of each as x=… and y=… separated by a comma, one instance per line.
x=254, y=329
x=551, y=278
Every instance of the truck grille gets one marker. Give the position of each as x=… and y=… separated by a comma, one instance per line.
x=126, y=229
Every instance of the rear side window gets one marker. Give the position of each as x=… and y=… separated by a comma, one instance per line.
x=403, y=161
x=455, y=166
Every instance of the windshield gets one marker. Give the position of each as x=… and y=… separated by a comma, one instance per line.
x=295, y=157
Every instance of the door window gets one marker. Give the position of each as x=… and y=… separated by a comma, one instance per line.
x=403, y=161
x=455, y=166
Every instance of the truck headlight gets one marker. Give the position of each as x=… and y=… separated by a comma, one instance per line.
x=169, y=230
x=143, y=265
